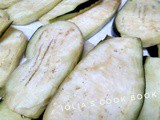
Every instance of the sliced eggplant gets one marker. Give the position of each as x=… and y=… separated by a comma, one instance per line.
x=79, y=10
x=56, y=51
x=7, y=3
x=94, y=19
x=150, y=110
x=62, y=8
x=4, y=21
x=12, y=46
x=141, y=19
x=7, y=114
x=103, y=86
x=88, y=46
x=28, y=11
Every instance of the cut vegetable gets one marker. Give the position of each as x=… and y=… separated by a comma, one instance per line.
x=12, y=46
x=56, y=51
x=4, y=21
x=150, y=110
x=79, y=10
x=27, y=11
x=87, y=48
x=94, y=19
x=7, y=114
x=141, y=19
x=62, y=8
x=103, y=85
x=7, y=3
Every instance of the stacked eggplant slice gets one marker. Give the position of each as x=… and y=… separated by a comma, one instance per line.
x=56, y=50
x=28, y=11
x=89, y=16
x=141, y=19
x=101, y=85
x=68, y=9
x=94, y=19
x=151, y=105
x=12, y=46
x=4, y=21
x=7, y=3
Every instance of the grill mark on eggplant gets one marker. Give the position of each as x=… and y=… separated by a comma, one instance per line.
x=80, y=8
x=49, y=46
x=40, y=63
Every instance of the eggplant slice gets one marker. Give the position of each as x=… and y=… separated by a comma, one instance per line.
x=7, y=114
x=28, y=11
x=56, y=50
x=7, y=3
x=91, y=21
x=79, y=10
x=62, y=8
x=141, y=19
x=103, y=86
x=4, y=22
x=150, y=110
x=12, y=46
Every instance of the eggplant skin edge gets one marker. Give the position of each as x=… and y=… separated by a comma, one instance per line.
x=151, y=73
x=102, y=18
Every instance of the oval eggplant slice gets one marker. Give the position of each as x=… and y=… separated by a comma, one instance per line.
x=103, y=86
x=4, y=21
x=7, y=3
x=27, y=11
x=62, y=8
x=91, y=21
x=141, y=19
x=57, y=50
x=150, y=110
x=7, y=114
x=12, y=46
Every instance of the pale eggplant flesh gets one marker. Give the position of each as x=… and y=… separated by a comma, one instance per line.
x=28, y=11
x=12, y=46
x=62, y=8
x=56, y=49
x=150, y=110
x=78, y=10
x=4, y=21
x=7, y=3
x=91, y=21
x=141, y=19
x=7, y=114
x=104, y=85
